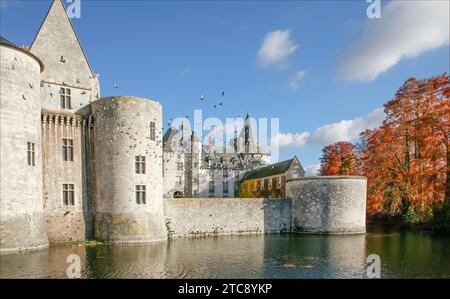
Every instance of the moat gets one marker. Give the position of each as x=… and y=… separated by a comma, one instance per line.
x=404, y=254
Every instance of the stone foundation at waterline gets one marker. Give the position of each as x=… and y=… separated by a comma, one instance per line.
x=190, y=217
x=322, y=205
x=332, y=205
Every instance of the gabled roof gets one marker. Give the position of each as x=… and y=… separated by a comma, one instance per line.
x=269, y=170
x=58, y=4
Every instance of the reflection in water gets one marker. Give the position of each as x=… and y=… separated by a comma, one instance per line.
x=403, y=254
x=315, y=256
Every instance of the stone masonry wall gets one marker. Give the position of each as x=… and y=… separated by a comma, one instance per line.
x=122, y=132
x=21, y=212
x=190, y=217
x=66, y=223
x=335, y=205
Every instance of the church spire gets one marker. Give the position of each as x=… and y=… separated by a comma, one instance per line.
x=249, y=134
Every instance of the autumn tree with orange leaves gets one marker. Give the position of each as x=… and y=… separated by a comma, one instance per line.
x=407, y=159
x=339, y=158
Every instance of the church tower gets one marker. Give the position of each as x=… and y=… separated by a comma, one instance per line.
x=68, y=86
x=249, y=134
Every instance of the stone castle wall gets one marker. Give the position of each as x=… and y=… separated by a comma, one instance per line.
x=335, y=205
x=21, y=208
x=122, y=132
x=66, y=222
x=107, y=135
x=190, y=217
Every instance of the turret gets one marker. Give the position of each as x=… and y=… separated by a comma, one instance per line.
x=128, y=170
x=21, y=212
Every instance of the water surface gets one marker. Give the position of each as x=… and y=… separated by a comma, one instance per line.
x=410, y=254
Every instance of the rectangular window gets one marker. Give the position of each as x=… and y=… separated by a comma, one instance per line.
x=211, y=187
x=67, y=149
x=179, y=166
x=211, y=173
x=266, y=184
x=139, y=164
x=258, y=185
x=225, y=173
x=65, y=98
x=152, y=131
x=30, y=153
x=68, y=195
x=225, y=187
x=140, y=195
x=275, y=183
x=178, y=180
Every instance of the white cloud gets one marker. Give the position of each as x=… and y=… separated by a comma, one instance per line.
x=344, y=130
x=294, y=81
x=312, y=170
x=347, y=130
x=406, y=29
x=276, y=47
x=289, y=140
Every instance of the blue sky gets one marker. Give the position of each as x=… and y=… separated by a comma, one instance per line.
x=322, y=67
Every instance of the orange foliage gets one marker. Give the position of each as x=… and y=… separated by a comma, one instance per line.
x=406, y=160
x=339, y=159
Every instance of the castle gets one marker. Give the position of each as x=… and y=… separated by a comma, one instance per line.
x=75, y=166
x=192, y=169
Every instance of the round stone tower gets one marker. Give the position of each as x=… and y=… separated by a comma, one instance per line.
x=21, y=208
x=128, y=170
x=328, y=204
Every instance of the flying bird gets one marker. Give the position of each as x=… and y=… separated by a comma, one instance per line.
x=115, y=85
x=202, y=98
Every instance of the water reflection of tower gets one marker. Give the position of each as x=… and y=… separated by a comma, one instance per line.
x=221, y=257
x=127, y=261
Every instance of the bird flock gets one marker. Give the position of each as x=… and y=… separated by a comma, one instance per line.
x=220, y=100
